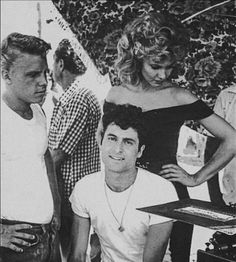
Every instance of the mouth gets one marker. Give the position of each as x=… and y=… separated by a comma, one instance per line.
x=42, y=93
x=116, y=158
x=158, y=81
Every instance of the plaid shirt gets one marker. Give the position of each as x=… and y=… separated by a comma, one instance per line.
x=73, y=127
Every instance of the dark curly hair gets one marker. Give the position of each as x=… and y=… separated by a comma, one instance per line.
x=16, y=42
x=72, y=62
x=126, y=116
x=150, y=35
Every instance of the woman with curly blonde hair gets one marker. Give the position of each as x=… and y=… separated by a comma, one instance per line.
x=157, y=37
x=149, y=50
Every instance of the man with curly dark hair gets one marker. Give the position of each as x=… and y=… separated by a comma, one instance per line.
x=30, y=202
x=125, y=233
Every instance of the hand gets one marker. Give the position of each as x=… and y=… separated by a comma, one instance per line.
x=56, y=222
x=175, y=173
x=10, y=236
x=95, y=246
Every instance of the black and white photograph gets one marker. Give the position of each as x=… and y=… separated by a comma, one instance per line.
x=118, y=131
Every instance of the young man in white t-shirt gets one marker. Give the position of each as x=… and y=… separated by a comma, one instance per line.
x=108, y=200
x=30, y=201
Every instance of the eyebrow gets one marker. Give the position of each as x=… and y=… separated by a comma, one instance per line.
x=32, y=72
x=158, y=63
x=124, y=138
x=36, y=71
x=129, y=139
x=110, y=134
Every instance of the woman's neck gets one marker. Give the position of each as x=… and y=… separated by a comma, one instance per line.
x=145, y=86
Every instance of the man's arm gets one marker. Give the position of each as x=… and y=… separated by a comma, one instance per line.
x=58, y=157
x=156, y=243
x=54, y=188
x=80, y=236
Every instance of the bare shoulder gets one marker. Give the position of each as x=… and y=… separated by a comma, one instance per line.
x=183, y=96
x=115, y=93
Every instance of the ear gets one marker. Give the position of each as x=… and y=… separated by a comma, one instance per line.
x=100, y=134
x=6, y=77
x=99, y=138
x=61, y=65
x=141, y=151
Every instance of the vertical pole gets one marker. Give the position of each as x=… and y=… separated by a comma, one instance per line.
x=39, y=20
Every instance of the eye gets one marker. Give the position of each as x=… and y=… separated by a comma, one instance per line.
x=155, y=67
x=169, y=67
x=128, y=142
x=111, y=138
x=33, y=74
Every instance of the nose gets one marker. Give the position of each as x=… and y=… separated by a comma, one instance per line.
x=119, y=147
x=162, y=74
x=43, y=80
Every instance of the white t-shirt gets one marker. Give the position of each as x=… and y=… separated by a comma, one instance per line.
x=25, y=189
x=89, y=200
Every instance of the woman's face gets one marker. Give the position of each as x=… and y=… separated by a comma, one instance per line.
x=156, y=72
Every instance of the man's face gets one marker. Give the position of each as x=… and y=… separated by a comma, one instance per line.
x=28, y=78
x=120, y=149
x=56, y=70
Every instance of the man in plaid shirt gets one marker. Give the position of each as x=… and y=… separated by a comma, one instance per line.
x=72, y=131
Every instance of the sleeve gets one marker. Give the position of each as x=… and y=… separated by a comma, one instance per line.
x=197, y=111
x=78, y=199
x=73, y=124
x=219, y=107
x=170, y=195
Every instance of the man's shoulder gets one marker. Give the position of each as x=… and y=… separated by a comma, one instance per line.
x=85, y=96
x=155, y=189
x=85, y=92
x=229, y=90
x=80, y=97
x=153, y=179
x=88, y=186
x=90, y=180
x=149, y=175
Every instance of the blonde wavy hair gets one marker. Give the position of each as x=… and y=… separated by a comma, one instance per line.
x=151, y=35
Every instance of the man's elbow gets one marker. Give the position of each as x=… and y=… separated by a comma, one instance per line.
x=58, y=156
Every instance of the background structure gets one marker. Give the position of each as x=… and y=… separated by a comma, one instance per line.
x=211, y=63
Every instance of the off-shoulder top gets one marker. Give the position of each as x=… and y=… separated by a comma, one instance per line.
x=163, y=126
